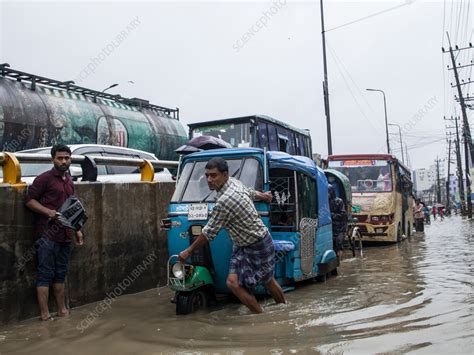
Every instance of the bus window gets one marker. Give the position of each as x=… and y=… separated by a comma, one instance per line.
x=291, y=143
x=272, y=137
x=282, y=140
x=302, y=146
x=307, y=147
x=237, y=134
x=262, y=135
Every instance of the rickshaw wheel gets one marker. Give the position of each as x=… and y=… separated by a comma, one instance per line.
x=189, y=302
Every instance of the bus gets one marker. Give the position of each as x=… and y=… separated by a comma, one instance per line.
x=257, y=131
x=382, y=199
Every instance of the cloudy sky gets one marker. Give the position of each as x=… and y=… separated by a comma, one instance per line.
x=225, y=59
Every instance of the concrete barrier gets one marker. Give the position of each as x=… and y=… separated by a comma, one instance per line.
x=125, y=252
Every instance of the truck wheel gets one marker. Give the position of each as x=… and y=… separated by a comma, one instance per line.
x=189, y=302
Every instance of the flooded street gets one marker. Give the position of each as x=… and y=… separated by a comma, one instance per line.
x=415, y=297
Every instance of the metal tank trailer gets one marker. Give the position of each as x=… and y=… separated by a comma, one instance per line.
x=39, y=112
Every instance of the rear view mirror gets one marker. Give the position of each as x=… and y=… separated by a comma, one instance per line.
x=76, y=172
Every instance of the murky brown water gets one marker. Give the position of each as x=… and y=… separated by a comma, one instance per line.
x=415, y=297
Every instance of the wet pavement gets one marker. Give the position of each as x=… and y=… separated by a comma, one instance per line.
x=416, y=297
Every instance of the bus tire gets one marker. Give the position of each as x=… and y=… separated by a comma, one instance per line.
x=399, y=233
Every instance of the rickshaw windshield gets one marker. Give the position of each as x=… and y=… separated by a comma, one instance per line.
x=192, y=184
x=366, y=176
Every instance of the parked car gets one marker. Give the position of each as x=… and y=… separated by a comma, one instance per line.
x=105, y=173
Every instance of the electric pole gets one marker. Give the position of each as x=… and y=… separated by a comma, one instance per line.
x=438, y=185
x=459, y=174
x=325, y=84
x=448, y=208
x=468, y=146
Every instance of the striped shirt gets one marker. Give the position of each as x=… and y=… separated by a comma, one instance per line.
x=234, y=210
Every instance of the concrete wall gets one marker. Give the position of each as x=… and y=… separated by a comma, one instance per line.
x=124, y=252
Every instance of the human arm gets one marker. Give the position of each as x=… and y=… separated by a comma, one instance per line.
x=37, y=207
x=197, y=244
x=339, y=213
x=216, y=221
x=34, y=195
x=263, y=196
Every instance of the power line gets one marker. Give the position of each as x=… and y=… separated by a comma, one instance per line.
x=369, y=16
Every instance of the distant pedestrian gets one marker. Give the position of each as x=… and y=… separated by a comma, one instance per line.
x=45, y=197
x=419, y=216
x=441, y=212
x=426, y=212
x=433, y=211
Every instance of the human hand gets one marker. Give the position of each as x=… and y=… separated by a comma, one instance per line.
x=52, y=214
x=184, y=255
x=80, y=239
x=267, y=196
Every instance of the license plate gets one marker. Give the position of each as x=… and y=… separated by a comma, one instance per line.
x=197, y=212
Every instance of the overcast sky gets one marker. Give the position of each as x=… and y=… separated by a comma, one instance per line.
x=225, y=59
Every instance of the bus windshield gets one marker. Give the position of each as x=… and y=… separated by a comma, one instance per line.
x=366, y=175
x=192, y=185
x=237, y=134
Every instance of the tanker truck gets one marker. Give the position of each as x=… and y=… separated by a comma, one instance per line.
x=38, y=112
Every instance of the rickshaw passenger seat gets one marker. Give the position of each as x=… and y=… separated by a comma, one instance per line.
x=283, y=245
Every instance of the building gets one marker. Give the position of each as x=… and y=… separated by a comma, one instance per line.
x=425, y=178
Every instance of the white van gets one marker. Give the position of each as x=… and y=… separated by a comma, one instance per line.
x=105, y=173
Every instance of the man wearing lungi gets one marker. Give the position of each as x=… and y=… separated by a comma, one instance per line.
x=253, y=255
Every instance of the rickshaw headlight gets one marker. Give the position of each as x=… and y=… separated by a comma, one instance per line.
x=178, y=271
x=196, y=230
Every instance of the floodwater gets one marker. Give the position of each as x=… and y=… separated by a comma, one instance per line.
x=416, y=297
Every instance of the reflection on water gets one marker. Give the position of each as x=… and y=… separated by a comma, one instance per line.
x=413, y=297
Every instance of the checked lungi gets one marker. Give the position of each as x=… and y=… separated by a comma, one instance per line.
x=254, y=264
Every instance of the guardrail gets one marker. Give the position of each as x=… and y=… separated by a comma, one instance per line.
x=11, y=165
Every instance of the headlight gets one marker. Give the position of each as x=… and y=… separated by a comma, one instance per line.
x=196, y=230
x=178, y=270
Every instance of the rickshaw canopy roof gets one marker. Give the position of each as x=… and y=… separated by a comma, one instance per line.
x=292, y=162
x=344, y=182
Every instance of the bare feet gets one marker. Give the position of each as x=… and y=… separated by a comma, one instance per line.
x=64, y=313
x=49, y=317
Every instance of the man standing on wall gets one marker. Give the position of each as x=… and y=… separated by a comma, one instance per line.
x=45, y=197
x=253, y=255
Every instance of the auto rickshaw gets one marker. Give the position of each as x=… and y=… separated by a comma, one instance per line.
x=342, y=187
x=298, y=219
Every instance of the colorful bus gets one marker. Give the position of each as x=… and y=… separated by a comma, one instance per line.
x=382, y=197
x=257, y=131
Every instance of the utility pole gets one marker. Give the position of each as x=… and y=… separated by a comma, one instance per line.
x=438, y=185
x=467, y=172
x=459, y=165
x=468, y=146
x=325, y=84
x=448, y=207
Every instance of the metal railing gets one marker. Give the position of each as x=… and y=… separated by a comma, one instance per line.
x=11, y=165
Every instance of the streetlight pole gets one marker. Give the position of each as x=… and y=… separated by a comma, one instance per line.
x=386, y=121
x=401, y=144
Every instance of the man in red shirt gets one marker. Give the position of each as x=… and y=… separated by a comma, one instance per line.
x=45, y=197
